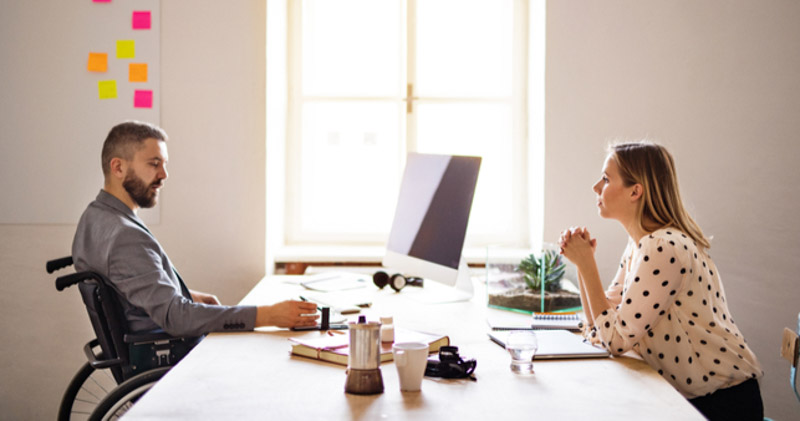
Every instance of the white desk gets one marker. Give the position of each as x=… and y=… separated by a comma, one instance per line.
x=253, y=376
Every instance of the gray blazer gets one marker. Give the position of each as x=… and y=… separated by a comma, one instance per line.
x=113, y=241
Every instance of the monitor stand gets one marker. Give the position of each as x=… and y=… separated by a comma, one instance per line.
x=437, y=293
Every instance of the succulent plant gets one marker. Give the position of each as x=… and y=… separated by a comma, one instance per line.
x=554, y=268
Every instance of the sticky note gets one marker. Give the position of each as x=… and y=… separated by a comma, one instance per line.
x=101, y=1
x=98, y=62
x=142, y=99
x=126, y=49
x=141, y=19
x=137, y=72
x=107, y=89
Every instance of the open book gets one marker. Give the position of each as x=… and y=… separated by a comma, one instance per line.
x=335, y=348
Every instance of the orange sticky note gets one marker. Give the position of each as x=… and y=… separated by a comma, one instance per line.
x=126, y=49
x=107, y=89
x=98, y=62
x=137, y=72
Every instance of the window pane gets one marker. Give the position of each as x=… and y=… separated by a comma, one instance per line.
x=350, y=171
x=480, y=130
x=352, y=48
x=464, y=48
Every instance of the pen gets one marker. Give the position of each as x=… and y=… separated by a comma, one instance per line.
x=306, y=300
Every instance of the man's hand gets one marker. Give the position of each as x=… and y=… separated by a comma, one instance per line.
x=202, y=297
x=288, y=313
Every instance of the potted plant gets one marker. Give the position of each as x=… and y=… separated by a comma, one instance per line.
x=549, y=268
x=535, y=284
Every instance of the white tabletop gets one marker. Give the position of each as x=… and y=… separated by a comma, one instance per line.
x=253, y=376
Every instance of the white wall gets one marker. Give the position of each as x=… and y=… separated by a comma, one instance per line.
x=212, y=207
x=718, y=82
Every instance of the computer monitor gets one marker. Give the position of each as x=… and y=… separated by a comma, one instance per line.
x=430, y=221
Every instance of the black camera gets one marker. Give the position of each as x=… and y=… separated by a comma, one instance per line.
x=449, y=365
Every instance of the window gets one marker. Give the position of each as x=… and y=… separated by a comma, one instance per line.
x=367, y=81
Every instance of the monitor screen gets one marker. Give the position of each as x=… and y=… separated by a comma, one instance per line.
x=430, y=222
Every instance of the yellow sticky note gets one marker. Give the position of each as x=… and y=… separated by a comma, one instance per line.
x=107, y=89
x=137, y=72
x=126, y=49
x=98, y=62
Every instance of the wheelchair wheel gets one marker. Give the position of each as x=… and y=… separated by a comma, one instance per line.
x=121, y=399
x=86, y=390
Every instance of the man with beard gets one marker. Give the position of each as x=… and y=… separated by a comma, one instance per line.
x=113, y=241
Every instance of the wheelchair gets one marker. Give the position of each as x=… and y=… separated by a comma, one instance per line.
x=122, y=366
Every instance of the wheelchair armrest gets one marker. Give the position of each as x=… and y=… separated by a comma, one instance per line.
x=72, y=279
x=149, y=336
x=97, y=361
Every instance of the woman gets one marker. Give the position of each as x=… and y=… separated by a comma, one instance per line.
x=666, y=302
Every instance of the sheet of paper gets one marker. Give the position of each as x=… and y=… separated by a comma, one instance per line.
x=141, y=19
x=143, y=99
x=107, y=89
x=137, y=72
x=98, y=62
x=126, y=48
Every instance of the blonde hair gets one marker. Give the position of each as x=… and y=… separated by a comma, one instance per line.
x=652, y=166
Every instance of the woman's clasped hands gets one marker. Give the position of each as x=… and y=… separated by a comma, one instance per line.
x=577, y=245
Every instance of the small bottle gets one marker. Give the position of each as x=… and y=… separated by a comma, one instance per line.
x=387, y=329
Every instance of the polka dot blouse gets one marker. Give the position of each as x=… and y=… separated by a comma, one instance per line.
x=668, y=305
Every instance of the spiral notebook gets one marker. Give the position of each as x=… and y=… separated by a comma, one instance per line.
x=557, y=321
x=506, y=320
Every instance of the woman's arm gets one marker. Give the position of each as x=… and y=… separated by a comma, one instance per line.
x=587, y=309
x=578, y=247
x=593, y=287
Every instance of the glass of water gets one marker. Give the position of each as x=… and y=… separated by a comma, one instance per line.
x=522, y=345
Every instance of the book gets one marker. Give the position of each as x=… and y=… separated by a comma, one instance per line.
x=335, y=348
x=571, y=321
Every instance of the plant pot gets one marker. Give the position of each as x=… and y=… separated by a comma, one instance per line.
x=523, y=298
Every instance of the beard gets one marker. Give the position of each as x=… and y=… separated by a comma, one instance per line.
x=142, y=194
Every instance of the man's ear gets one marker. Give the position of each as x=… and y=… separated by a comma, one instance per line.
x=117, y=167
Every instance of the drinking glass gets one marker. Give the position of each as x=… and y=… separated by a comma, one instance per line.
x=522, y=345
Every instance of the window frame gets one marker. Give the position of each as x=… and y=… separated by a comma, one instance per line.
x=283, y=122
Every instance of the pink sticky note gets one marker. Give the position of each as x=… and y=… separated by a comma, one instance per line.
x=141, y=19
x=142, y=99
x=101, y=1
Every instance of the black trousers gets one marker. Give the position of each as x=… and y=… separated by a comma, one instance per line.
x=740, y=402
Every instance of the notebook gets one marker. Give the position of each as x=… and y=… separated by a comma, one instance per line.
x=556, y=344
x=334, y=281
x=557, y=321
x=507, y=320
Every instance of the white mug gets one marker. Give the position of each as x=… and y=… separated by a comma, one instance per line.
x=410, y=359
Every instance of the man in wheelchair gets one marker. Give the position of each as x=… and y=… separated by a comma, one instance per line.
x=112, y=241
x=144, y=317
